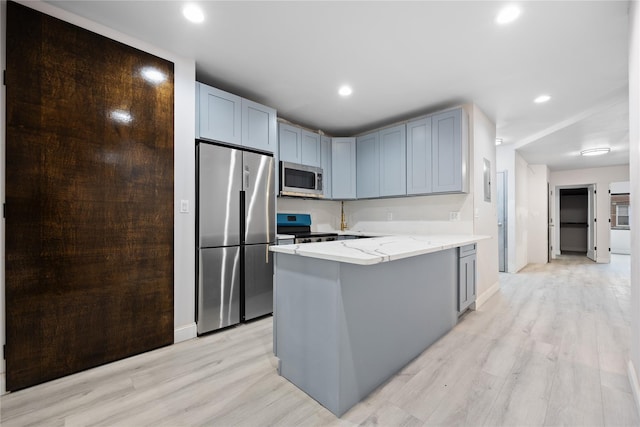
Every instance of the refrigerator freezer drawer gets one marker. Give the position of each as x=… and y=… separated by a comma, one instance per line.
x=258, y=282
x=218, y=288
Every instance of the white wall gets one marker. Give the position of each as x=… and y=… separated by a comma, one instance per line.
x=184, y=166
x=483, y=136
x=537, y=246
x=602, y=177
x=620, y=239
x=634, y=155
x=522, y=214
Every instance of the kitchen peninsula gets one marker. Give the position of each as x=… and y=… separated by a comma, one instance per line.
x=349, y=314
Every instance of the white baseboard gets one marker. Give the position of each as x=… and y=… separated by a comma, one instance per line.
x=635, y=386
x=484, y=297
x=184, y=333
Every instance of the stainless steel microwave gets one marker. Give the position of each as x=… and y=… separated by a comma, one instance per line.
x=300, y=180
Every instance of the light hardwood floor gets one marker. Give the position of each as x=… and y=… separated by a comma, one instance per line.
x=549, y=349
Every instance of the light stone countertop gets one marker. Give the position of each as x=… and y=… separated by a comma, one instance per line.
x=377, y=249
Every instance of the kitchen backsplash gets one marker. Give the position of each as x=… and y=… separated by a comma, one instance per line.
x=443, y=214
x=324, y=213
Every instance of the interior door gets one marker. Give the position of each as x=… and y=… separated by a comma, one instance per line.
x=501, y=189
x=591, y=229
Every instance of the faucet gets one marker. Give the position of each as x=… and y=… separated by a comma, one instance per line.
x=343, y=220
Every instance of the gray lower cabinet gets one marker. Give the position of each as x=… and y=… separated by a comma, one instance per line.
x=326, y=164
x=466, y=277
x=343, y=168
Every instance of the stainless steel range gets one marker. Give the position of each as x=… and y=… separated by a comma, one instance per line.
x=299, y=225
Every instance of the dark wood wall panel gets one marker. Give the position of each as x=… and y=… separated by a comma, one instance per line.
x=89, y=193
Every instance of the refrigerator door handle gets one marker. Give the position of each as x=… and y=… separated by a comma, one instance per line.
x=266, y=253
x=247, y=175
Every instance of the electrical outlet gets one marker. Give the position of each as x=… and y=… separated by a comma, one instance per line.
x=454, y=216
x=389, y=216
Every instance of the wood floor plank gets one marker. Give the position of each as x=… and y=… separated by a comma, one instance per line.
x=550, y=348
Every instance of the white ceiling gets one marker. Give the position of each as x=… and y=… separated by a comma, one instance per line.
x=406, y=58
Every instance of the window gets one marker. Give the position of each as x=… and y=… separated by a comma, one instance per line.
x=620, y=211
x=622, y=215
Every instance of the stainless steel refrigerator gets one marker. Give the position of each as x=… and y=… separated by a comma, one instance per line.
x=236, y=225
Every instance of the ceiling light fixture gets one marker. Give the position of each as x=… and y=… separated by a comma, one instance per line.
x=595, y=151
x=345, y=90
x=498, y=141
x=541, y=99
x=193, y=13
x=508, y=14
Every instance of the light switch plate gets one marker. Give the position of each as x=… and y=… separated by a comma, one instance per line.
x=184, y=206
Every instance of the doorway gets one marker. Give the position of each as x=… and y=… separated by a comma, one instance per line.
x=501, y=189
x=576, y=219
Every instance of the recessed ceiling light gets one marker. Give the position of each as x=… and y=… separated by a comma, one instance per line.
x=508, y=14
x=541, y=99
x=498, y=141
x=345, y=90
x=153, y=75
x=595, y=151
x=193, y=13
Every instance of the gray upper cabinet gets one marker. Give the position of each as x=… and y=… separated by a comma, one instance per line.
x=325, y=162
x=343, y=168
x=368, y=166
x=419, y=157
x=259, y=125
x=290, y=143
x=449, y=155
x=393, y=173
x=219, y=115
x=310, y=148
x=225, y=117
x=298, y=145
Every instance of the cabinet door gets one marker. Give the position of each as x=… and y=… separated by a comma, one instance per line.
x=419, y=157
x=368, y=165
x=393, y=161
x=310, y=151
x=343, y=168
x=289, y=143
x=220, y=115
x=325, y=162
x=467, y=282
x=447, y=151
x=259, y=126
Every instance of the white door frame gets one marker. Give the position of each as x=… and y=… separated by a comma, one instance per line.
x=592, y=233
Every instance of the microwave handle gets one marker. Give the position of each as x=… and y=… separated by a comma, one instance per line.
x=319, y=181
